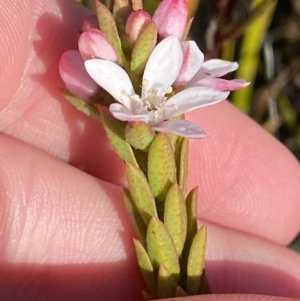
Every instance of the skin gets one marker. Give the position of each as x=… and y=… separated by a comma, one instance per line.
x=64, y=231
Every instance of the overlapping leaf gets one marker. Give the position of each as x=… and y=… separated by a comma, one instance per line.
x=115, y=131
x=175, y=218
x=161, y=166
x=141, y=192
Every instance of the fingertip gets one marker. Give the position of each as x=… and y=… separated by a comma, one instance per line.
x=233, y=297
x=15, y=24
x=247, y=180
x=28, y=23
x=242, y=264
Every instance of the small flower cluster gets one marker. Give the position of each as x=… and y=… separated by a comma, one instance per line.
x=141, y=67
x=150, y=82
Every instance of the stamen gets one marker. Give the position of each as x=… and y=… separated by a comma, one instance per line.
x=145, y=82
x=169, y=90
x=135, y=97
x=154, y=91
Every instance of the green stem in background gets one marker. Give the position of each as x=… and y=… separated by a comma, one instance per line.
x=251, y=46
x=258, y=12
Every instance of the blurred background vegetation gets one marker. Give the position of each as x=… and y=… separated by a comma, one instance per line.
x=263, y=36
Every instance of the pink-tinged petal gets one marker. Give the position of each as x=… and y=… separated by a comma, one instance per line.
x=218, y=68
x=90, y=22
x=212, y=68
x=136, y=22
x=163, y=66
x=193, y=98
x=200, y=75
x=112, y=78
x=124, y=114
x=171, y=18
x=222, y=84
x=94, y=44
x=76, y=78
x=192, y=61
x=183, y=128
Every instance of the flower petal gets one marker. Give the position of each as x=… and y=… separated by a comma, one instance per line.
x=171, y=17
x=183, y=128
x=222, y=84
x=218, y=68
x=73, y=73
x=192, y=61
x=122, y=113
x=163, y=66
x=212, y=68
x=111, y=78
x=193, y=98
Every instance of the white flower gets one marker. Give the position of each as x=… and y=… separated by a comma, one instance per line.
x=154, y=106
x=209, y=75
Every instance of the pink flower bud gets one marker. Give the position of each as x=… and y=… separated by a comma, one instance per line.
x=94, y=44
x=171, y=18
x=76, y=78
x=136, y=22
x=90, y=22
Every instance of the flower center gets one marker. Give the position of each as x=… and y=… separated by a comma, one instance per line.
x=152, y=103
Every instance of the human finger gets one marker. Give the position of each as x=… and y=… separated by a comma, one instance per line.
x=247, y=180
x=60, y=226
x=32, y=108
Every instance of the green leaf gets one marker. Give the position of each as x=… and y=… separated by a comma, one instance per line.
x=173, y=139
x=151, y=5
x=109, y=28
x=145, y=265
x=196, y=262
x=121, y=7
x=115, y=131
x=141, y=158
x=137, y=4
x=182, y=162
x=141, y=192
x=191, y=204
x=143, y=48
x=175, y=218
x=160, y=247
x=82, y=106
x=135, y=217
x=191, y=209
x=161, y=166
x=166, y=284
x=139, y=134
x=121, y=11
